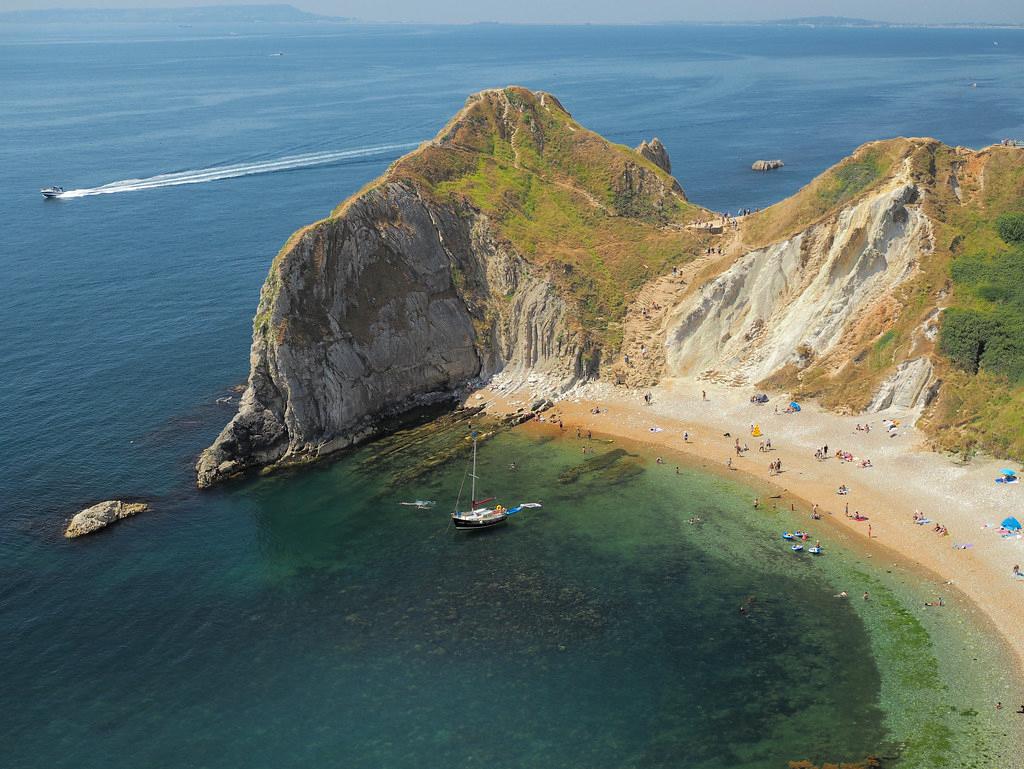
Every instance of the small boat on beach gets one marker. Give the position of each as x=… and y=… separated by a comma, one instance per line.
x=52, y=192
x=816, y=550
x=797, y=548
x=788, y=535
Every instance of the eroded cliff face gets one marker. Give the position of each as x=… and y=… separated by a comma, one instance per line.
x=449, y=269
x=397, y=303
x=800, y=299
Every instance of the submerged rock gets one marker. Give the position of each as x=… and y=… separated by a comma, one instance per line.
x=102, y=515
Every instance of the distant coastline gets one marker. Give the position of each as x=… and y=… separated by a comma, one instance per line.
x=281, y=13
x=202, y=14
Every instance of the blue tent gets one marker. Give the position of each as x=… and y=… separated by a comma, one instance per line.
x=1008, y=472
x=1011, y=523
x=794, y=405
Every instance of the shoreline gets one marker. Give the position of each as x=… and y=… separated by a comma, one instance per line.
x=904, y=477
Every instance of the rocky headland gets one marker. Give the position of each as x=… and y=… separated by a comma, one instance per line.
x=519, y=248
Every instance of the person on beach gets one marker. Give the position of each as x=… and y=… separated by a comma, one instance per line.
x=843, y=594
x=866, y=596
x=869, y=531
x=677, y=469
x=703, y=395
x=757, y=503
x=686, y=437
x=590, y=435
x=1016, y=570
x=728, y=463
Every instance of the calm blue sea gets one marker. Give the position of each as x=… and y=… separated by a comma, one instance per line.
x=271, y=623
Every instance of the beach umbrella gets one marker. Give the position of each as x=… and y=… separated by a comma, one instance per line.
x=794, y=405
x=1011, y=523
x=1008, y=472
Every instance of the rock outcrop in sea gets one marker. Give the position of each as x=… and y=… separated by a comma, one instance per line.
x=766, y=165
x=101, y=515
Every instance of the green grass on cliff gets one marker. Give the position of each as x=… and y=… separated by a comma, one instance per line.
x=981, y=404
x=569, y=201
x=828, y=192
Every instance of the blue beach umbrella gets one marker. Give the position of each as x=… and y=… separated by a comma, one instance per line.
x=794, y=405
x=1011, y=523
x=1008, y=472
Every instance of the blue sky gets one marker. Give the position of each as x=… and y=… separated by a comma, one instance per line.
x=607, y=11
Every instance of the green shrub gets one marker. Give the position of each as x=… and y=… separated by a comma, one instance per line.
x=963, y=337
x=1011, y=227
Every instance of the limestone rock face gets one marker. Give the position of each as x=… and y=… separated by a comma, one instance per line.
x=797, y=300
x=102, y=515
x=655, y=151
x=906, y=388
x=399, y=302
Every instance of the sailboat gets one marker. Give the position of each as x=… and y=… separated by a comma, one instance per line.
x=479, y=516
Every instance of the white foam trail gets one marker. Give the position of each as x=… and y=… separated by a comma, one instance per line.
x=216, y=173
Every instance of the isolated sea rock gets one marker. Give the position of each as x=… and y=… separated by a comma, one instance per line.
x=655, y=151
x=766, y=165
x=102, y=515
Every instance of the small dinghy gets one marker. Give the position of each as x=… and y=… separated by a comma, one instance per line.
x=788, y=535
x=816, y=550
x=420, y=504
x=797, y=548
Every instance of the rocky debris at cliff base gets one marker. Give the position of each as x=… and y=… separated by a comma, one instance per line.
x=102, y=515
x=766, y=165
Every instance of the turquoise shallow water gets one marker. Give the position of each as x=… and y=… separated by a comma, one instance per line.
x=600, y=631
x=280, y=622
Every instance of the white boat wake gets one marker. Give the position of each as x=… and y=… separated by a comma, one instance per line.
x=216, y=173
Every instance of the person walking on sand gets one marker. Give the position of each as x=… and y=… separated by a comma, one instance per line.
x=757, y=503
x=728, y=463
x=869, y=531
x=703, y=395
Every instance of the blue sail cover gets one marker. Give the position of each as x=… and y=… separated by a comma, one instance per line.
x=523, y=506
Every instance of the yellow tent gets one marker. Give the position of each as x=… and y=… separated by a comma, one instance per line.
x=756, y=432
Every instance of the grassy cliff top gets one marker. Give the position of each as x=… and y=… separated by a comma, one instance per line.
x=597, y=216
x=870, y=166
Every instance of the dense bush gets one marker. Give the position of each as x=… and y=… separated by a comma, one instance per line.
x=988, y=334
x=1011, y=227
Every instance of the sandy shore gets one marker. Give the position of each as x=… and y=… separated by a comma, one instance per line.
x=905, y=477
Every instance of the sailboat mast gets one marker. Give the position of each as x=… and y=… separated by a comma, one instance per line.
x=472, y=497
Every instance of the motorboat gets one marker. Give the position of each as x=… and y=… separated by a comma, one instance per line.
x=52, y=192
